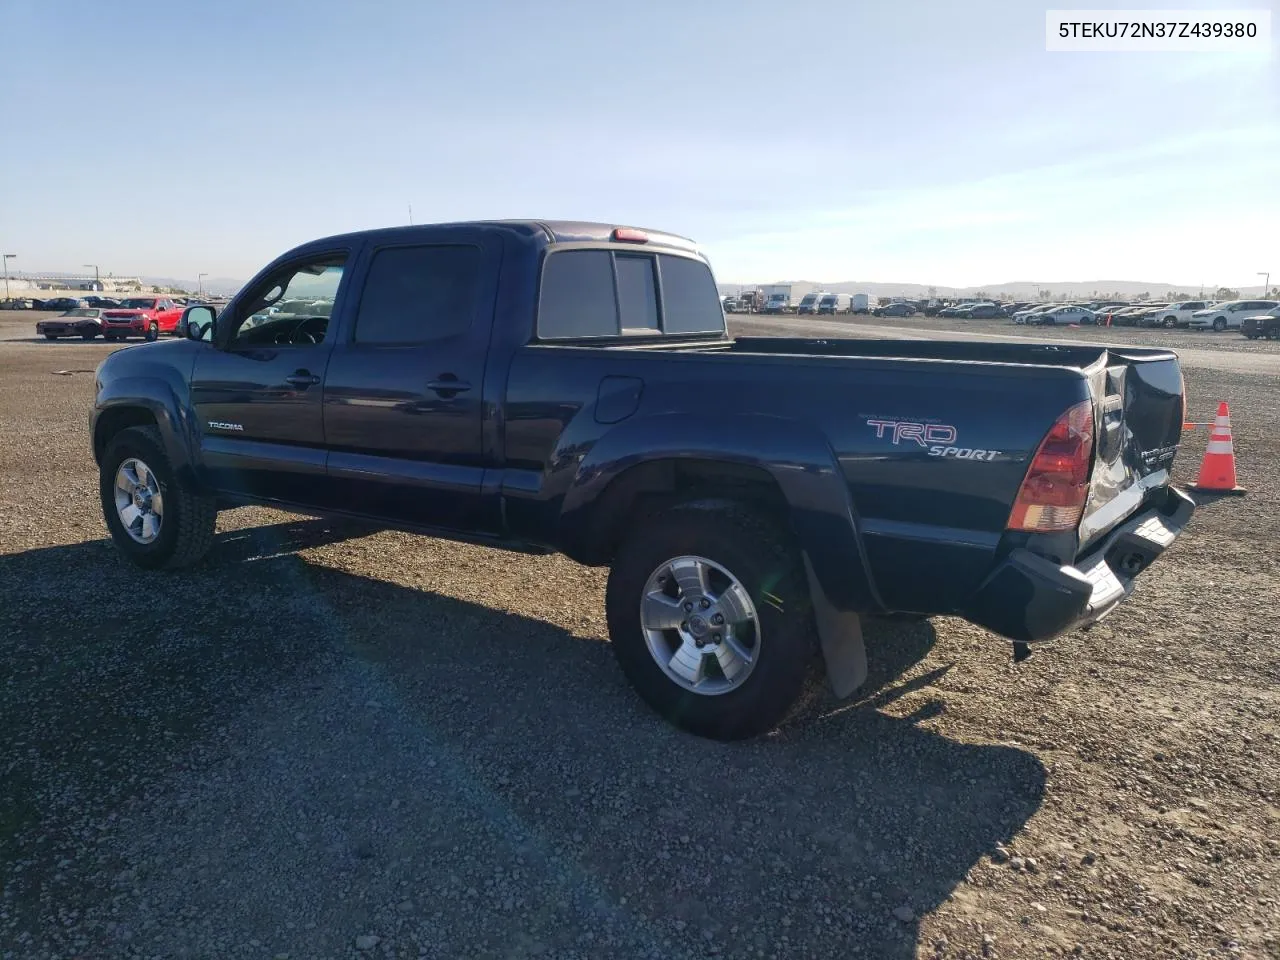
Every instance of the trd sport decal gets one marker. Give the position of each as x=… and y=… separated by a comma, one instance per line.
x=937, y=438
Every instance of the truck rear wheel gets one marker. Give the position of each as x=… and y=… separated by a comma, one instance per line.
x=710, y=618
x=153, y=518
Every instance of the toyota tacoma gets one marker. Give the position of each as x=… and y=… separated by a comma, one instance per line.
x=557, y=386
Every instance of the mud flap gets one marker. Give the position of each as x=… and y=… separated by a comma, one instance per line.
x=840, y=635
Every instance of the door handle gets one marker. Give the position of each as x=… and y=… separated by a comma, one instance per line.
x=448, y=385
x=302, y=378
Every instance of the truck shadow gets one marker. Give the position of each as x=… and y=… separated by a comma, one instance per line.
x=111, y=693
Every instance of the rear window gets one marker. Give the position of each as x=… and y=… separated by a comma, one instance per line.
x=637, y=293
x=601, y=293
x=690, y=301
x=577, y=295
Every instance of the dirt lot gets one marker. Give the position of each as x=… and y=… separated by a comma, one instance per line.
x=331, y=742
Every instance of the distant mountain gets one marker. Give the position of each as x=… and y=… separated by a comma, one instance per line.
x=222, y=286
x=1013, y=290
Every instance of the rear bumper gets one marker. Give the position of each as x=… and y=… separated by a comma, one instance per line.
x=1030, y=598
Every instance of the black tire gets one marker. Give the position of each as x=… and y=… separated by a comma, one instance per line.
x=51, y=336
x=1170, y=322
x=88, y=335
x=787, y=675
x=1219, y=324
x=186, y=530
x=153, y=331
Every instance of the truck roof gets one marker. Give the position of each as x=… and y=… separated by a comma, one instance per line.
x=548, y=231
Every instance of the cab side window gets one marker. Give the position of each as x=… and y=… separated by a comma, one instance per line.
x=415, y=295
x=292, y=307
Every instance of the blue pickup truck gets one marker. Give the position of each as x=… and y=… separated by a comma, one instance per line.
x=571, y=387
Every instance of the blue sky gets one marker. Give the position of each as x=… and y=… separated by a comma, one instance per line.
x=932, y=142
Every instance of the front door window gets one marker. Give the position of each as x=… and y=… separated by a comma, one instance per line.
x=293, y=307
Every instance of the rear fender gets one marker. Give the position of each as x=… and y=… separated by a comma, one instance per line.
x=820, y=511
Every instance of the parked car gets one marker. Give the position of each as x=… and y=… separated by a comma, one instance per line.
x=1143, y=316
x=1009, y=309
x=1125, y=316
x=898, y=309
x=980, y=311
x=83, y=322
x=1022, y=316
x=1061, y=315
x=1175, y=314
x=19, y=303
x=933, y=308
x=104, y=303
x=141, y=317
x=1105, y=310
x=747, y=527
x=1262, y=325
x=63, y=304
x=1228, y=315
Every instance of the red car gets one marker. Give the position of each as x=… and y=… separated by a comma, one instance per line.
x=141, y=317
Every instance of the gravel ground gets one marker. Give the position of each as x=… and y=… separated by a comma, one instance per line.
x=330, y=741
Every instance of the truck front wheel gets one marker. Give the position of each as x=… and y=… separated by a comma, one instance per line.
x=710, y=618
x=154, y=519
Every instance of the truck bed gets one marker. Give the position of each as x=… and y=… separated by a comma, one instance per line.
x=933, y=439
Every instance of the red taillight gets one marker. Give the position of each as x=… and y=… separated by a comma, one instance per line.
x=630, y=235
x=1053, y=494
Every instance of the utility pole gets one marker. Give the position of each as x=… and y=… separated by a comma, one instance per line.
x=411, y=214
x=95, y=273
x=1266, y=283
x=7, y=258
x=200, y=284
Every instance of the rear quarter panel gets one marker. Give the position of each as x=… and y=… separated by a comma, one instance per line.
x=897, y=519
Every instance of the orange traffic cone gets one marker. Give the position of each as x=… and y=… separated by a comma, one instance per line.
x=1218, y=469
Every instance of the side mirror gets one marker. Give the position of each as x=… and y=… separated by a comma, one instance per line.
x=197, y=323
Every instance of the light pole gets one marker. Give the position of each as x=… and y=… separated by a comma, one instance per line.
x=95, y=273
x=200, y=284
x=7, y=258
x=1266, y=283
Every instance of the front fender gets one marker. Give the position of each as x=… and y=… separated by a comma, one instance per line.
x=798, y=458
x=158, y=398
